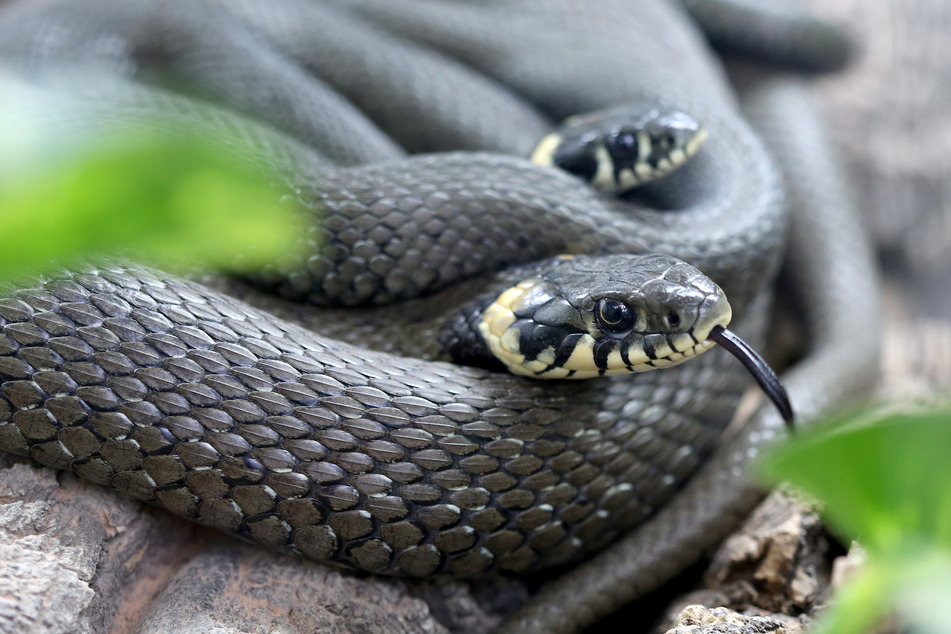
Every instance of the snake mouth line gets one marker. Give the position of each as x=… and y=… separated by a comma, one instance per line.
x=620, y=360
x=647, y=168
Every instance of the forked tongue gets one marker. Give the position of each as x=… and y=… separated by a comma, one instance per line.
x=758, y=367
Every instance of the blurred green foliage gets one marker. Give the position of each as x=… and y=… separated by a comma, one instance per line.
x=171, y=198
x=884, y=479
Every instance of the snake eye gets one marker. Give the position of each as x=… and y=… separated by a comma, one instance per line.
x=626, y=140
x=614, y=316
x=622, y=145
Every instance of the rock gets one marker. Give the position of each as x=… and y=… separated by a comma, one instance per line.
x=845, y=568
x=774, y=565
x=75, y=558
x=233, y=589
x=69, y=552
x=776, y=561
x=698, y=619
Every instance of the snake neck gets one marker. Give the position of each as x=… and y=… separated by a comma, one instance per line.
x=460, y=337
x=461, y=340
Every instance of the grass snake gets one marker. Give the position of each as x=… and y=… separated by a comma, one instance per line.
x=464, y=469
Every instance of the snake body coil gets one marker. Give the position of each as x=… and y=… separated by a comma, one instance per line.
x=180, y=395
x=186, y=398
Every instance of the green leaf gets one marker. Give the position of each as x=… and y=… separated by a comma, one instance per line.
x=175, y=199
x=922, y=591
x=915, y=586
x=860, y=605
x=885, y=480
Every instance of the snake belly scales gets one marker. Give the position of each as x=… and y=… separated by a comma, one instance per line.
x=179, y=395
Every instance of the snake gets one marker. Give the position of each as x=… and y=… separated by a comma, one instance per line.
x=245, y=432
x=568, y=466
x=618, y=150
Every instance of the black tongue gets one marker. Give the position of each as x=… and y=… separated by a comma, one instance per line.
x=760, y=370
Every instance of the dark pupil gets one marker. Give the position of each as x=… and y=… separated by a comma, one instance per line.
x=615, y=315
x=626, y=140
x=622, y=146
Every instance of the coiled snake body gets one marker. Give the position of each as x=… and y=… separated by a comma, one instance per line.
x=180, y=395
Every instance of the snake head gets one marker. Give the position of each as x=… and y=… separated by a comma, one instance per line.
x=576, y=317
x=619, y=149
x=601, y=316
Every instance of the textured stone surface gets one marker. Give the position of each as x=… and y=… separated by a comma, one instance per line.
x=775, y=561
x=697, y=619
x=44, y=581
x=76, y=558
x=775, y=564
x=232, y=589
x=72, y=553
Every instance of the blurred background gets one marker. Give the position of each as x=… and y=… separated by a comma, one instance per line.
x=890, y=114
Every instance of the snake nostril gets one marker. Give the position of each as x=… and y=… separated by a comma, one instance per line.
x=673, y=319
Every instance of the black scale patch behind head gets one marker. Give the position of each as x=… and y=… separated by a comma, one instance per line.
x=576, y=157
x=461, y=339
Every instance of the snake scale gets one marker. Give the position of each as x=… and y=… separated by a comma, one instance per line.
x=177, y=394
